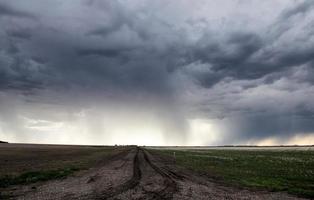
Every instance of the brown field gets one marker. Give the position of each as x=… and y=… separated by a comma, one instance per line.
x=18, y=158
x=89, y=172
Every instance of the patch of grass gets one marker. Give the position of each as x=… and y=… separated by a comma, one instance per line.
x=289, y=170
x=30, y=163
x=16, y=159
x=35, y=176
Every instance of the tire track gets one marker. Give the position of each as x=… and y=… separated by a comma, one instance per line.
x=130, y=184
x=139, y=174
x=170, y=184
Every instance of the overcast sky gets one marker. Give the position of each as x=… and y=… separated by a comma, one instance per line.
x=161, y=72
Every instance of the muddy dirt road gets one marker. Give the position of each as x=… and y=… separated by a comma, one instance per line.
x=137, y=174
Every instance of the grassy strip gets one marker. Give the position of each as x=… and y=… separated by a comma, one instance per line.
x=35, y=176
x=40, y=166
x=290, y=171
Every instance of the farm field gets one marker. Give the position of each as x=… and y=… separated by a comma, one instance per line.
x=289, y=169
x=107, y=172
x=19, y=158
x=27, y=163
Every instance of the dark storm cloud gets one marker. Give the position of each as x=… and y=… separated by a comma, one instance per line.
x=6, y=10
x=275, y=106
x=137, y=52
x=19, y=33
x=252, y=55
x=280, y=62
x=19, y=75
x=100, y=52
x=241, y=46
x=268, y=126
x=302, y=8
x=235, y=58
x=229, y=58
x=18, y=83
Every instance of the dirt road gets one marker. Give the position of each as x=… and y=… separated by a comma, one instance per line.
x=137, y=174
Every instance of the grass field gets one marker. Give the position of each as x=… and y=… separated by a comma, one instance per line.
x=290, y=170
x=27, y=163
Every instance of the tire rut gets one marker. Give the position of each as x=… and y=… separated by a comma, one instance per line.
x=170, y=184
x=130, y=184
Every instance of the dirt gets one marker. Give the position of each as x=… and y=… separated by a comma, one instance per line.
x=137, y=174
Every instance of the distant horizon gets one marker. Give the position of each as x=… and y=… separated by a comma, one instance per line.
x=291, y=145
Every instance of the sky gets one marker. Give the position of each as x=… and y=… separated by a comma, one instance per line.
x=164, y=72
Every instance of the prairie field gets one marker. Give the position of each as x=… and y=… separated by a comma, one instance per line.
x=28, y=163
x=289, y=169
x=33, y=171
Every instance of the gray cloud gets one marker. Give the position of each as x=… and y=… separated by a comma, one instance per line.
x=171, y=66
x=6, y=10
x=22, y=34
x=302, y=8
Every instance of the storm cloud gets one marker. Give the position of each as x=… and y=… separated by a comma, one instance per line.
x=106, y=72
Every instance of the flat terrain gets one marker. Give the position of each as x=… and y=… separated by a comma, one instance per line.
x=112, y=173
x=18, y=158
x=289, y=169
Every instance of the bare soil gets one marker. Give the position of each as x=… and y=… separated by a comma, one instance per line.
x=137, y=174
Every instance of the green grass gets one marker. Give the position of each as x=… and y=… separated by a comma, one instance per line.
x=290, y=170
x=25, y=164
x=18, y=159
x=35, y=176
